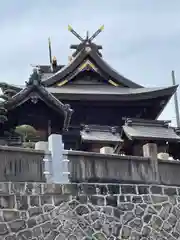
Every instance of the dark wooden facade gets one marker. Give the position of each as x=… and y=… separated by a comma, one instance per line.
x=87, y=85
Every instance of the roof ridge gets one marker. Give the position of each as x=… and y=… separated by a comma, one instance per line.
x=103, y=65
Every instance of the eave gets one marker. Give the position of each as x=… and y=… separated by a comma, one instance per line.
x=106, y=92
x=111, y=93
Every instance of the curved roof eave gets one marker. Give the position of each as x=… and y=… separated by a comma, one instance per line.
x=22, y=96
x=62, y=73
x=126, y=94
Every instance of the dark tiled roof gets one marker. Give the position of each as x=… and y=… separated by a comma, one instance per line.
x=38, y=90
x=149, y=130
x=100, y=63
x=104, y=134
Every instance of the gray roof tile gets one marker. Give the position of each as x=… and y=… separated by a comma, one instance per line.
x=98, y=136
x=151, y=133
x=94, y=133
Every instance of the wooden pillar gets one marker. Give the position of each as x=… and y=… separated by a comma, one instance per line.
x=150, y=151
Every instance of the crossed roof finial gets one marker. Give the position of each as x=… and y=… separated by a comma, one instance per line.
x=86, y=41
x=87, y=38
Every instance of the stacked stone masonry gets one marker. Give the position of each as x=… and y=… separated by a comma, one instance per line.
x=89, y=212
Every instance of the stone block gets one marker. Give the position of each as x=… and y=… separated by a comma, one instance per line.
x=34, y=201
x=143, y=189
x=126, y=206
x=117, y=213
x=126, y=232
x=7, y=202
x=159, y=199
x=35, y=211
x=17, y=225
x=22, y=202
x=101, y=189
x=82, y=199
x=128, y=189
x=10, y=215
x=170, y=191
x=97, y=200
x=58, y=199
x=71, y=189
x=82, y=210
x=146, y=231
x=147, y=218
x=3, y=229
x=111, y=201
x=121, y=198
x=139, y=212
x=137, y=199
x=31, y=222
x=156, y=189
x=113, y=189
x=46, y=199
x=87, y=189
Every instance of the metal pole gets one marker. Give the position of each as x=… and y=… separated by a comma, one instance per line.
x=50, y=54
x=176, y=101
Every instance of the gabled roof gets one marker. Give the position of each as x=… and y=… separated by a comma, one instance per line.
x=34, y=90
x=138, y=129
x=68, y=72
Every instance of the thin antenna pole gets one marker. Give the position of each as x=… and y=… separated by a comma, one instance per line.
x=50, y=53
x=176, y=101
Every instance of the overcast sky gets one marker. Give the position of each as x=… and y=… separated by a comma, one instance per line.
x=141, y=38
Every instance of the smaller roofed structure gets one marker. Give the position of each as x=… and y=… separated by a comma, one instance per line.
x=94, y=137
x=34, y=91
x=137, y=132
x=103, y=134
x=139, y=129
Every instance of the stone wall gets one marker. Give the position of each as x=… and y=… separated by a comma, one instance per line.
x=40, y=211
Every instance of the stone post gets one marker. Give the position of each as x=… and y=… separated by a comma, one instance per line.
x=150, y=151
x=60, y=172
x=47, y=171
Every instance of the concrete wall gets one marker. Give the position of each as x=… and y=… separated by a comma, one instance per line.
x=89, y=211
x=26, y=165
x=21, y=164
x=95, y=167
